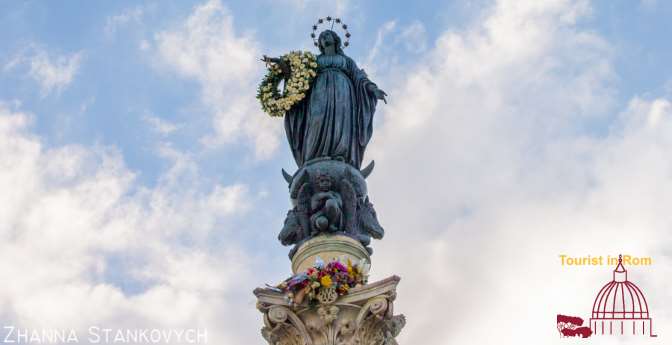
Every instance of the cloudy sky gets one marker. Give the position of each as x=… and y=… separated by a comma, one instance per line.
x=141, y=182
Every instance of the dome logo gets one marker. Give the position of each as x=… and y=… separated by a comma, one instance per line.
x=620, y=308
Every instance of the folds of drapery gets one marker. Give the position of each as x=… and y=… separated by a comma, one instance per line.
x=304, y=135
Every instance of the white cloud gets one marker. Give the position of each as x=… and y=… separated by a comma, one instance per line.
x=393, y=45
x=160, y=125
x=414, y=37
x=383, y=31
x=206, y=48
x=498, y=152
x=52, y=72
x=131, y=15
x=86, y=245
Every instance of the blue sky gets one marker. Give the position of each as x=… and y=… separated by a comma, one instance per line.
x=147, y=127
x=117, y=84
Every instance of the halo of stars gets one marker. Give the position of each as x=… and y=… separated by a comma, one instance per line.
x=333, y=21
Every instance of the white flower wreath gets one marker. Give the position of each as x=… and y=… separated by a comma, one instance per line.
x=303, y=67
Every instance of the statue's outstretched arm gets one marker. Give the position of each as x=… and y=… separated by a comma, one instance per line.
x=284, y=66
x=358, y=74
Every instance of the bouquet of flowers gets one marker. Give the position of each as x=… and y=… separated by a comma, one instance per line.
x=334, y=276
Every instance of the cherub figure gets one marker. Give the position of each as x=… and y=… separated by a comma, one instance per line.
x=326, y=207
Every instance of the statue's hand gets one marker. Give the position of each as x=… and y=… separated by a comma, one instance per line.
x=284, y=66
x=268, y=59
x=380, y=94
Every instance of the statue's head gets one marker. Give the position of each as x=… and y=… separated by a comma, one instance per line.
x=324, y=182
x=329, y=38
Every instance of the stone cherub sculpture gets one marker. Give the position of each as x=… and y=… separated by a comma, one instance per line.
x=328, y=132
x=325, y=206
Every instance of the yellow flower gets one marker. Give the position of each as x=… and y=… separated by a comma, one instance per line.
x=326, y=281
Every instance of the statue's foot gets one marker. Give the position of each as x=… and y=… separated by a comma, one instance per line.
x=321, y=223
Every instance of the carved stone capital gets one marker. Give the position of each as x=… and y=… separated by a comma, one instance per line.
x=364, y=316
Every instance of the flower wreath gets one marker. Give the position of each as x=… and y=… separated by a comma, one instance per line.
x=303, y=67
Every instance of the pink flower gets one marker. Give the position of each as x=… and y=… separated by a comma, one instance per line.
x=339, y=266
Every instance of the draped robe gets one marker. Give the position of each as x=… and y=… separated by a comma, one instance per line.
x=335, y=119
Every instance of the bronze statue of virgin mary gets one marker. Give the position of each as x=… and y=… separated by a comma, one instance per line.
x=328, y=130
x=335, y=119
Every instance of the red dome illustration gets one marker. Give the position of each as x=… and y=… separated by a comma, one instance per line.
x=620, y=307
